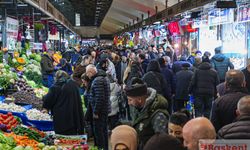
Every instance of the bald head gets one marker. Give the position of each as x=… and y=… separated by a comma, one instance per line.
x=91, y=70
x=235, y=79
x=197, y=129
x=244, y=105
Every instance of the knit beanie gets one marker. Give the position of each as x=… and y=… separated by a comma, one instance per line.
x=136, y=88
x=163, y=141
x=124, y=135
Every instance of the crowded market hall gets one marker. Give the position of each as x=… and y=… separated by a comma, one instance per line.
x=124, y=74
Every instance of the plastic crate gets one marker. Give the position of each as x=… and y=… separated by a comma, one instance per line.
x=24, y=105
x=2, y=98
x=22, y=116
x=41, y=125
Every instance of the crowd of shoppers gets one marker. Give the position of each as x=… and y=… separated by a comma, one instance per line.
x=147, y=90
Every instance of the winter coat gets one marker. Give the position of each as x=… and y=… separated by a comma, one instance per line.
x=221, y=64
x=154, y=79
x=115, y=90
x=204, y=81
x=133, y=72
x=76, y=59
x=144, y=65
x=79, y=70
x=169, y=77
x=67, y=68
x=183, y=79
x=177, y=66
x=100, y=94
x=47, y=66
x=247, y=78
x=120, y=69
x=144, y=122
x=223, y=110
x=172, y=56
x=153, y=55
x=111, y=70
x=64, y=101
x=236, y=130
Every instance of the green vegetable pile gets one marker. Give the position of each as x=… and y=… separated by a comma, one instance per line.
x=33, y=73
x=6, y=143
x=19, y=130
x=7, y=77
x=36, y=57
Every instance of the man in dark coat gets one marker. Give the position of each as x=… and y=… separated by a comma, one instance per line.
x=177, y=66
x=64, y=101
x=221, y=63
x=151, y=114
x=246, y=72
x=47, y=69
x=144, y=62
x=120, y=68
x=154, y=79
x=223, y=110
x=168, y=74
x=183, y=79
x=99, y=101
x=240, y=128
x=203, y=87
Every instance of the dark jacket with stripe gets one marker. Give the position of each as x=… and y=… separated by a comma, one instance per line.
x=237, y=130
x=100, y=94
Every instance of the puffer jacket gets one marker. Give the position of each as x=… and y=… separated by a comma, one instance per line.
x=204, y=81
x=221, y=64
x=115, y=90
x=237, y=130
x=155, y=79
x=99, y=98
x=226, y=104
x=47, y=65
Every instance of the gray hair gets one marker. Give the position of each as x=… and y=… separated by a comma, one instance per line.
x=244, y=105
x=61, y=76
x=91, y=67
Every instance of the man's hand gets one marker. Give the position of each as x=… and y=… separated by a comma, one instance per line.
x=44, y=111
x=95, y=116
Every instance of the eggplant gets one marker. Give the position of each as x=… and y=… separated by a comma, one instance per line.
x=3, y=127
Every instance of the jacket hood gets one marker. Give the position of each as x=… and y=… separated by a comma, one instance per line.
x=101, y=72
x=124, y=135
x=151, y=101
x=154, y=66
x=219, y=57
x=205, y=66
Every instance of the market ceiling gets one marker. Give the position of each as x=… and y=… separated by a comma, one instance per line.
x=123, y=12
x=92, y=12
x=109, y=15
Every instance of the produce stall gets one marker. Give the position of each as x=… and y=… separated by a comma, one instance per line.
x=23, y=125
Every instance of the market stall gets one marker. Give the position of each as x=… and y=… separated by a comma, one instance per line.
x=23, y=123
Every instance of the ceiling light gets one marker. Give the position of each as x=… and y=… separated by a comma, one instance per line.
x=22, y=5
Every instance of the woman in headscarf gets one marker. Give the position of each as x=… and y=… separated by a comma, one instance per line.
x=64, y=102
x=124, y=137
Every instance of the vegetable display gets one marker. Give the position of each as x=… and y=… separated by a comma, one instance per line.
x=27, y=98
x=6, y=76
x=21, y=85
x=23, y=141
x=8, y=120
x=19, y=130
x=6, y=143
x=34, y=114
x=11, y=107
